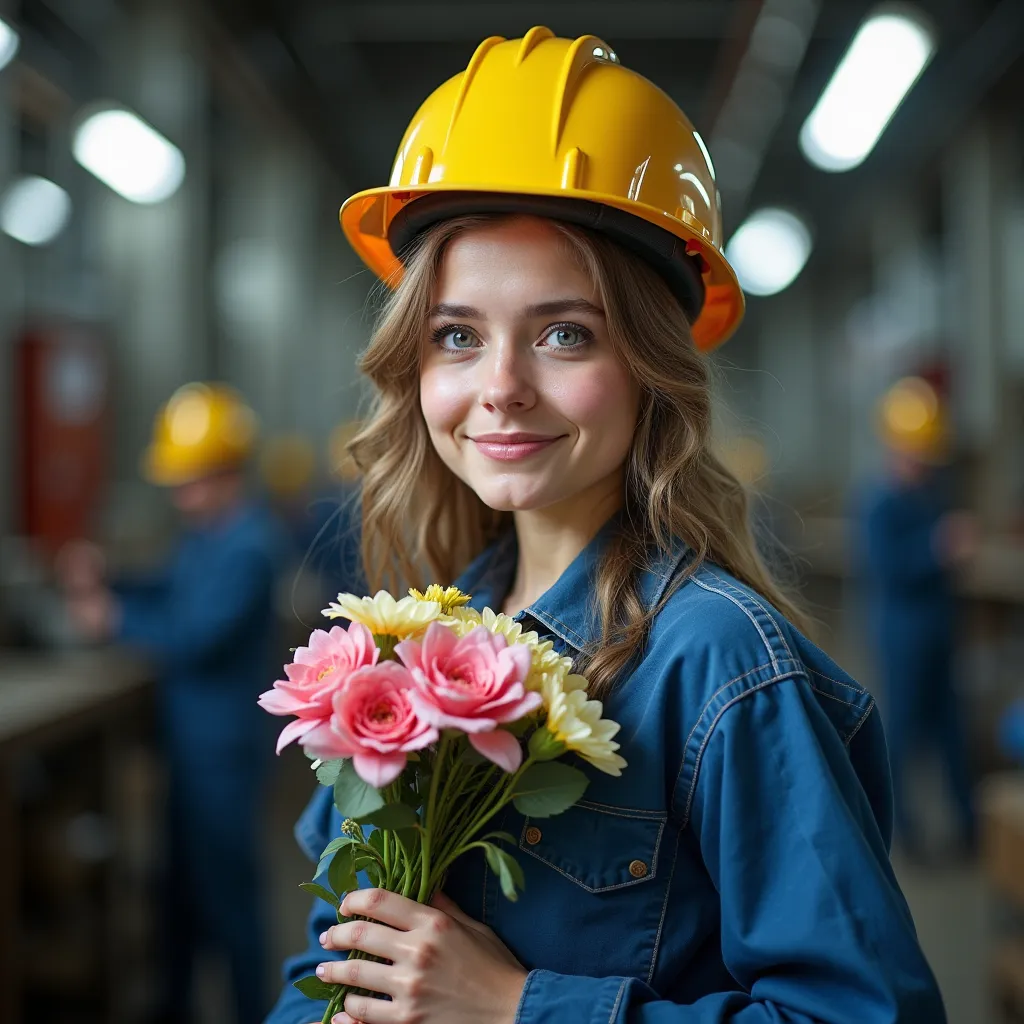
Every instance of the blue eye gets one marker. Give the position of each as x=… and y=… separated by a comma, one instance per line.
x=567, y=336
x=454, y=339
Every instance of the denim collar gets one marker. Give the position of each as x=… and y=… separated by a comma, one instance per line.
x=569, y=608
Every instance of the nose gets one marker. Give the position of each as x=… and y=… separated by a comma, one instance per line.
x=506, y=385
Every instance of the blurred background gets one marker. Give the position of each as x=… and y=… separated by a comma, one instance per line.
x=170, y=174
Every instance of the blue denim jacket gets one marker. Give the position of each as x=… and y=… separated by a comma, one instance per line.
x=738, y=870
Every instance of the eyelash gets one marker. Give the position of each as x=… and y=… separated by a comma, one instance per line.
x=439, y=333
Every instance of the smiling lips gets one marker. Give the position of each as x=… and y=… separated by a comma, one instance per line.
x=512, y=447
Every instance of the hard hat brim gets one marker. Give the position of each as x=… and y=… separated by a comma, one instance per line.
x=368, y=216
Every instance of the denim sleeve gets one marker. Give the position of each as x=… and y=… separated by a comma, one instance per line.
x=814, y=928
x=318, y=824
x=907, y=557
x=185, y=629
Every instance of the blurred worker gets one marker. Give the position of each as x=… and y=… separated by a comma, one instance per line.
x=206, y=620
x=913, y=542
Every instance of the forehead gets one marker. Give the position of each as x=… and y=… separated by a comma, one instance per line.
x=515, y=260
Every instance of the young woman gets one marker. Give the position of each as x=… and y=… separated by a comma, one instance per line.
x=543, y=416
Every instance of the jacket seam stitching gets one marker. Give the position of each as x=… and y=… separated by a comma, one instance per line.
x=664, y=908
x=618, y=1001
x=863, y=719
x=710, y=733
x=839, y=682
x=623, y=812
x=668, y=576
x=746, y=611
x=757, y=604
x=546, y=618
x=832, y=696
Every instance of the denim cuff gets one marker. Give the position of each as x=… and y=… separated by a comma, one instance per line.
x=550, y=998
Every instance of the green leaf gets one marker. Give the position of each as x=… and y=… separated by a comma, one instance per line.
x=331, y=848
x=327, y=771
x=314, y=988
x=505, y=837
x=507, y=868
x=471, y=757
x=391, y=816
x=353, y=797
x=342, y=873
x=547, y=789
x=321, y=893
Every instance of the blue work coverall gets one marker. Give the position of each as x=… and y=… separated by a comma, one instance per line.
x=737, y=871
x=207, y=621
x=912, y=617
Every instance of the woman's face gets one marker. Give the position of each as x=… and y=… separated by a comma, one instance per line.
x=524, y=398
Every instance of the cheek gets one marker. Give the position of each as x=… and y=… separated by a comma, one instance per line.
x=444, y=398
x=598, y=400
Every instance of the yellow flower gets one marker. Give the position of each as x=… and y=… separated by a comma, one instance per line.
x=384, y=616
x=577, y=723
x=448, y=599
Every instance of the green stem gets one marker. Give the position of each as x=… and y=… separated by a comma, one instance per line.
x=431, y=812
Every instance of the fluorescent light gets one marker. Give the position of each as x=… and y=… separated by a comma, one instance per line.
x=768, y=250
x=130, y=156
x=9, y=43
x=34, y=210
x=885, y=59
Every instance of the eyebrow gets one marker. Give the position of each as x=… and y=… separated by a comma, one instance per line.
x=553, y=308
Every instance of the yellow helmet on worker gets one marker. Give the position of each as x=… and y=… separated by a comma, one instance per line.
x=203, y=429
x=912, y=421
x=559, y=128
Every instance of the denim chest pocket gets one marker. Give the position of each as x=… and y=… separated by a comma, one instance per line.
x=602, y=873
x=598, y=847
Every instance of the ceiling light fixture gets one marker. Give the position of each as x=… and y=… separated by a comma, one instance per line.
x=9, y=43
x=34, y=210
x=768, y=250
x=885, y=59
x=129, y=155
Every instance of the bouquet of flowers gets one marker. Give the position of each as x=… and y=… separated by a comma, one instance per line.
x=427, y=718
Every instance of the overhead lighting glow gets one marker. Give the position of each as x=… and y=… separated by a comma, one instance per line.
x=885, y=59
x=34, y=210
x=130, y=156
x=9, y=43
x=768, y=250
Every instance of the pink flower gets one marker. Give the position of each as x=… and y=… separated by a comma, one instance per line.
x=472, y=684
x=374, y=723
x=315, y=675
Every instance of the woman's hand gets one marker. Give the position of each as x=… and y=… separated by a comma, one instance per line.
x=445, y=967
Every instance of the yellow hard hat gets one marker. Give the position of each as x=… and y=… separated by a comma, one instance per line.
x=203, y=429
x=559, y=128
x=287, y=464
x=911, y=420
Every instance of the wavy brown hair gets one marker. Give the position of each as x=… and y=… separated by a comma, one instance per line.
x=420, y=519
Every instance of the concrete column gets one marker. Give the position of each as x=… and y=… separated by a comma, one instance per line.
x=977, y=181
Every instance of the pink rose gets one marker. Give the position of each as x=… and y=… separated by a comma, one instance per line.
x=374, y=723
x=313, y=677
x=472, y=684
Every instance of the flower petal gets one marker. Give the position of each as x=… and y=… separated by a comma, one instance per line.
x=499, y=746
x=379, y=769
x=295, y=731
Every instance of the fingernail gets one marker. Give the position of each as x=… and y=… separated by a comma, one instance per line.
x=321, y=970
x=323, y=938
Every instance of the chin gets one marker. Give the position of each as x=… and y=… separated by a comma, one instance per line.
x=517, y=499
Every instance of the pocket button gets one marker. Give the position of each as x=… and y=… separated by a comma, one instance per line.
x=638, y=869
x=533, y=835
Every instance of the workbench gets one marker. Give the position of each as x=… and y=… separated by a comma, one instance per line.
x=70, y=726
